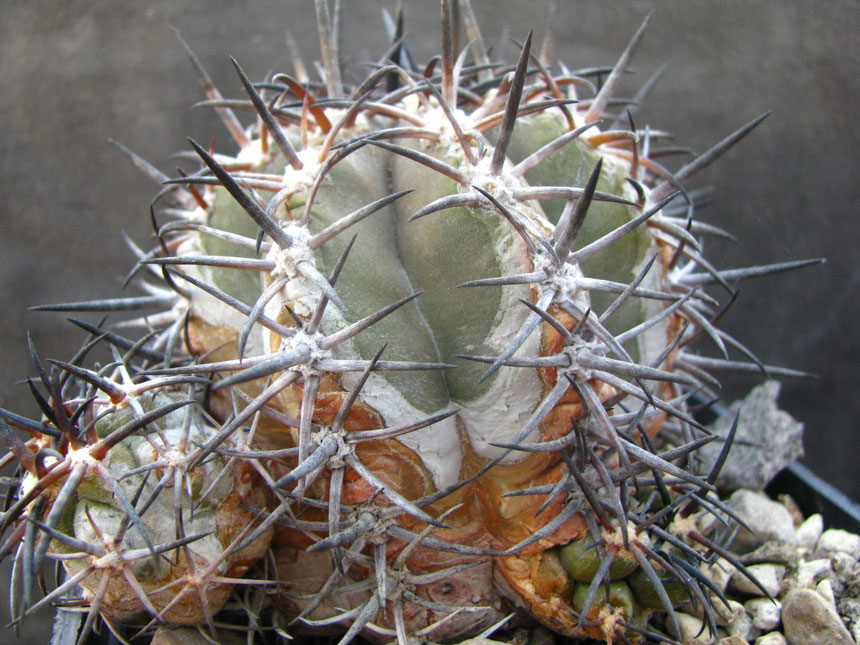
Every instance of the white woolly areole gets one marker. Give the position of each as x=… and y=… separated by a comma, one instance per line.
x=287, y=260
x=301, y=180
x=250, y=155
x=502, y=187
x=564, y=280
x=437, y=121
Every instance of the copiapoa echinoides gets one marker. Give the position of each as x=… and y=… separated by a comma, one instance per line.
x=416, y=353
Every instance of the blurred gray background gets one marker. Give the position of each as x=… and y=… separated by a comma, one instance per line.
x=73, y=75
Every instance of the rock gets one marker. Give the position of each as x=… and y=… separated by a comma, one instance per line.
x=733, y=640
x=768, y=520
x=849, y=609
x=769, y=575
x=843, y=561
x=728, y=615
x=807, y=618
x=742, y=627
x=845, y=578
x=809, y=532
x=693, y=631
x=723, y=615
x=761, y=425
x=841, y=541
x=825, y=590
x=774, y=553
x=720, y=572
x=809, y=572
x=765, y=613
x=774, y=638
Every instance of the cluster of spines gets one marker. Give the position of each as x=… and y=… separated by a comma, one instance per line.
x=590, y=487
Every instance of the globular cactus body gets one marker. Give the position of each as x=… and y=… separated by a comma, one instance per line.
x=441, y=320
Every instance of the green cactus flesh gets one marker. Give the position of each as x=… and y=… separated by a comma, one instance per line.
x=417, y=346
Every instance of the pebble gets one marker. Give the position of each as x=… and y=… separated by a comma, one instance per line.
x=849, y=609
x=768, y=520
x=742, y=627
x=839, y=540
x=769, y=575
x=720, y=572
x=774, y=638
x=843, y=561
x=810, y=571
x=727, y=615
x=809, y=532
x=847, y=571
x=808, y=618
x=825, y=590
x=723, y=615
x=690, y=628
x=773, y=552
x=733, y=640
x=764, y=613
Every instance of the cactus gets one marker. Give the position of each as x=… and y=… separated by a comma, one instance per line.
x=422, y=359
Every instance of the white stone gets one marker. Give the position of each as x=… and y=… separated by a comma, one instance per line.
x=839, y=540
x=768, y=520
x=764, y=613
x=690, y=627
x=809, y=532
x=774, y=638
x=769, y=575
x=723, y=615
x=825, y=590
x=843, y=562
x=742, y=626
x=720, y=572
x=809, y=570
x=727, y=615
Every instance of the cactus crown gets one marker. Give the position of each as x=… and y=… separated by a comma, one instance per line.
x=422, y=358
